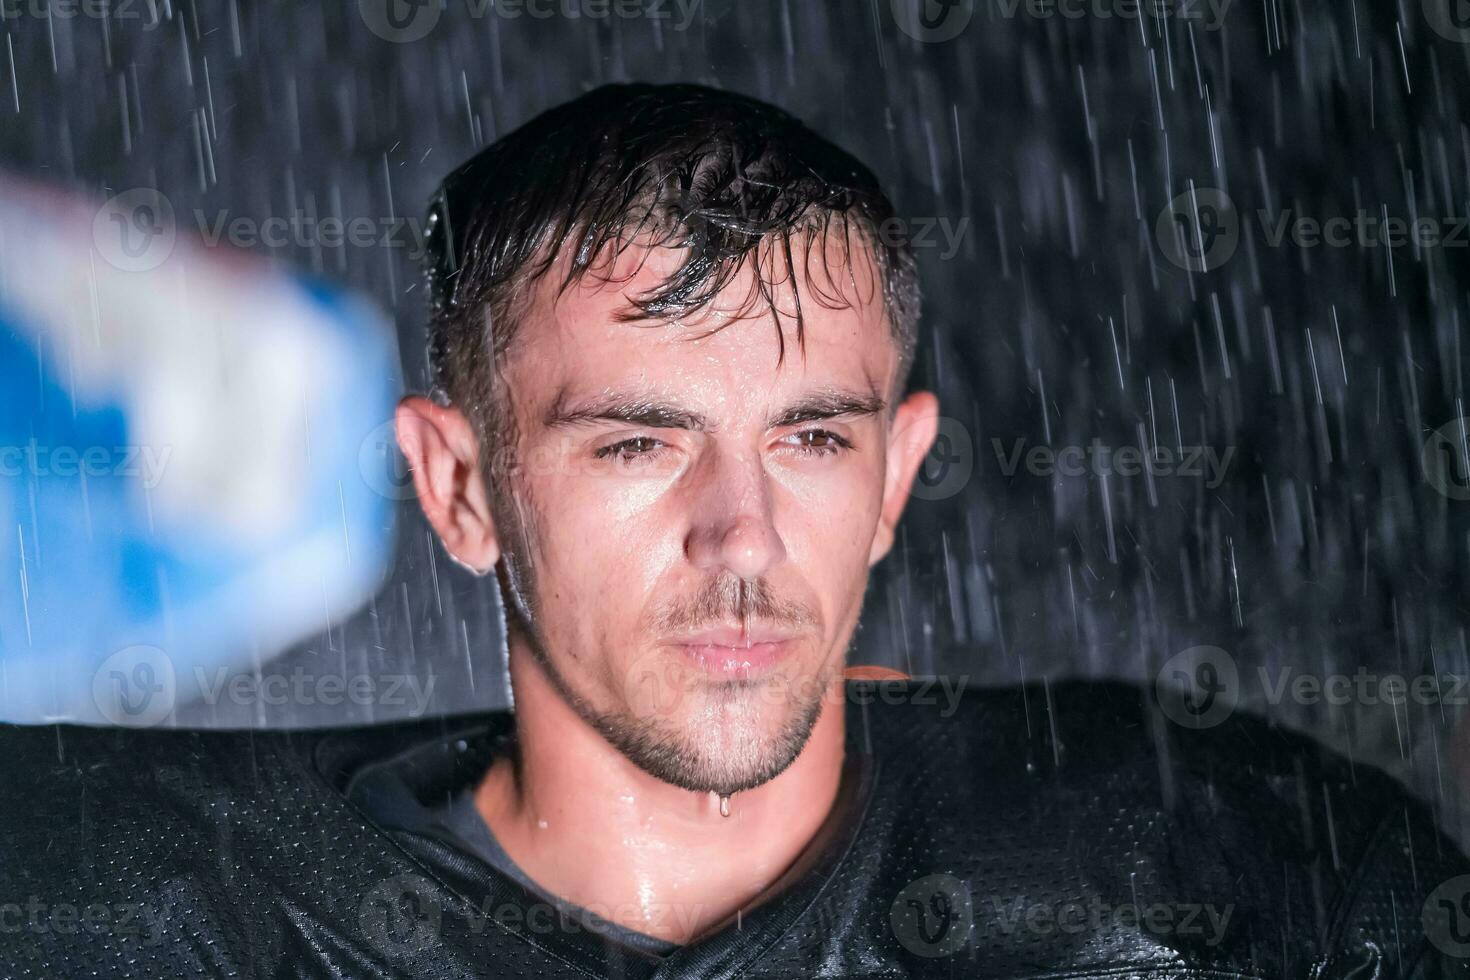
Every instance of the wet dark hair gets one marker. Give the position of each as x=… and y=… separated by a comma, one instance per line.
x=668, y=165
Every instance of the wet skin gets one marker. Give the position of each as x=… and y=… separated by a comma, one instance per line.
x=674, y=479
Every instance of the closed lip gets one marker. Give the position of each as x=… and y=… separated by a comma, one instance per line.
x=730, y=652
x=735, y=637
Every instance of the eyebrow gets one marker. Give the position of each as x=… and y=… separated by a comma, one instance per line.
x=635, y=409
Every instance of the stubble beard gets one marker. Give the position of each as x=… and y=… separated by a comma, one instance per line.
x=718, y=741
x=719, y=738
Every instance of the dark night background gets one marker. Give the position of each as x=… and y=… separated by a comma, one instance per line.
x=1051, y=145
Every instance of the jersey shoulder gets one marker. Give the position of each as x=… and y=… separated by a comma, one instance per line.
x=1282, y=854
x=160, y=852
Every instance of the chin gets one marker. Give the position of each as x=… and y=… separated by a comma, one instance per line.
x=724, y=736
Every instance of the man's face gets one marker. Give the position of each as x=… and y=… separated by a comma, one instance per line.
x=688, y=526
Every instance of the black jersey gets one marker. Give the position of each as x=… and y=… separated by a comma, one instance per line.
x=1070, y=830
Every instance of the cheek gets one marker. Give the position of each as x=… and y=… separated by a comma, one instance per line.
x=827, y=522
x=602, y=554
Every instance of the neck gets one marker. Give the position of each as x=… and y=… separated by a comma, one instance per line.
x=593, y=829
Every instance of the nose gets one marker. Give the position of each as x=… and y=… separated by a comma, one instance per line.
x=733, y=527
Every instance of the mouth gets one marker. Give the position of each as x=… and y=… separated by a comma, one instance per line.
x=735, y=652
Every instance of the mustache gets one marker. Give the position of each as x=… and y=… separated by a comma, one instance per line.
x=731, y=598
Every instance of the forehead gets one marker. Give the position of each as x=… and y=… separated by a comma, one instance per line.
x=721, y=359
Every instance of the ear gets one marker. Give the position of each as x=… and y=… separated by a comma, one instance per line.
x=915, y=425
x=444, y=457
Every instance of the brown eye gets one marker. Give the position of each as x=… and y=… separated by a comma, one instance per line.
x=637, y=446
x=820, y=442
x=629, y=449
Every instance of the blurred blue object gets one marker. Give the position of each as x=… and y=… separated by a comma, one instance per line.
x=181, y=430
